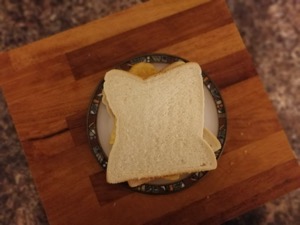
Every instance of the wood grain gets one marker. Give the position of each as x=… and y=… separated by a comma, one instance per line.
x=204, y=210
x=231, y=167
x=248, y=113
x=198, y=48
x=230, y=69
x=147, y=38
x=48, y=86
x=73, y=39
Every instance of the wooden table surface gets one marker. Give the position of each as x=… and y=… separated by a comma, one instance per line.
x=48, y=85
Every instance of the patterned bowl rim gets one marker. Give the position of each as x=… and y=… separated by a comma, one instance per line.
x=99, y=153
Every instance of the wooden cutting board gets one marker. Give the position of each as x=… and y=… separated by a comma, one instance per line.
x=48, y=86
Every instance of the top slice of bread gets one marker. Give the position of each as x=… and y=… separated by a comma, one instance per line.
x=159, y=124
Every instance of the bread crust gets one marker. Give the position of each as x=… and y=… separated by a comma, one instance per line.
x=159, y=124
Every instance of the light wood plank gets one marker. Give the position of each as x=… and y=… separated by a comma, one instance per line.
x=97, y=30
x=233, y=168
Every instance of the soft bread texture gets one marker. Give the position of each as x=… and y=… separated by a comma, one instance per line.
x=211, y=140
x=159, y=124
x=208, y=137
x=110, y=113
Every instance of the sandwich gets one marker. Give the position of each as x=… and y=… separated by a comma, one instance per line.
x=159, y=124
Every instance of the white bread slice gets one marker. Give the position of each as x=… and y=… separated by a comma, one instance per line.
x=211, y=140
x=159, y=123
x=207, y=136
